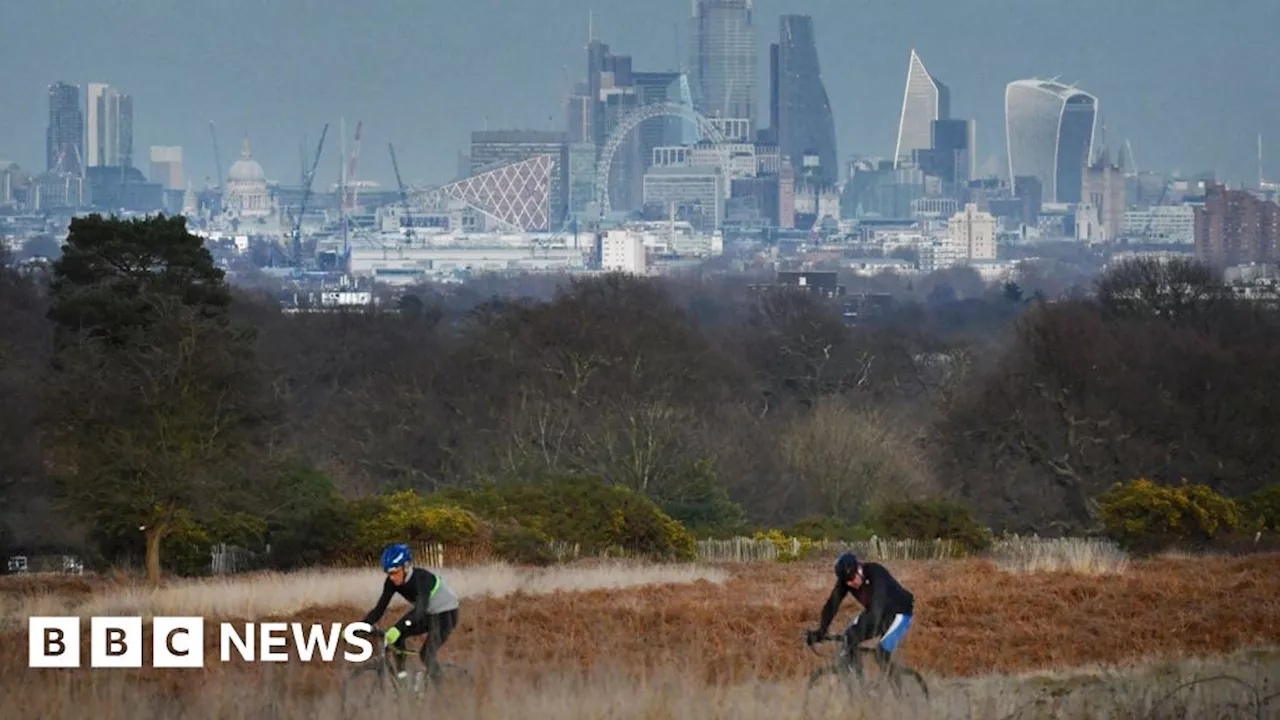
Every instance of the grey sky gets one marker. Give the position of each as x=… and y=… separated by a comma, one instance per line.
x=1189, y=84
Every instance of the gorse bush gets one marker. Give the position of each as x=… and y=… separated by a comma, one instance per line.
x=582, y=510
x=409, y=518
x=930, y=519
x=1142, y=515
x=790, y=548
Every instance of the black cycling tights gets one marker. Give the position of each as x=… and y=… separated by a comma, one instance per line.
x=438, y=628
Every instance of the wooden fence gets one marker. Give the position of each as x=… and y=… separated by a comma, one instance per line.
x=228, y=559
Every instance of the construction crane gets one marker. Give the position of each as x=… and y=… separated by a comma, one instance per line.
x=217, y=163
x=302, y=207
x=217, y=157
x=352, y=188
x=404, y=196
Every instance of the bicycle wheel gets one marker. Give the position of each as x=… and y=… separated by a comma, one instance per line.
x=909, y=684
x=831, y=688
x=453, y=679
x=362, y=685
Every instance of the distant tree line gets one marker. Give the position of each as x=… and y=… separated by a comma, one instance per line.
x=144, y=395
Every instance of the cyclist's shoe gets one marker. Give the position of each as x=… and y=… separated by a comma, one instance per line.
x=812, y=637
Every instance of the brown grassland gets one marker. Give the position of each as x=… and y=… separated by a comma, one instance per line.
x=726, y=643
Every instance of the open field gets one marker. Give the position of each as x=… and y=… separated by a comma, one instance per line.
x=612, y=640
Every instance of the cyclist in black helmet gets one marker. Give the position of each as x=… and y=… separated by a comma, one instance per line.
x=887, y=607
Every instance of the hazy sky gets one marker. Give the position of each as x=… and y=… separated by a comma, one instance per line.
x=1190, y=84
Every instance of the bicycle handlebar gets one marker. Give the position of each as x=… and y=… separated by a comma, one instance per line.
x=834, y=638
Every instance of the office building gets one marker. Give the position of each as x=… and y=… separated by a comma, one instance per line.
x=951, y=153
x=64, y=139
x=623, y=251
x=1049, y=128
x=697, y=194
x=494, y=149
x=723, y=62
x=924, y=100
x=804, y=124
x=108, y=127
x=166, y=167
x=1161, y=225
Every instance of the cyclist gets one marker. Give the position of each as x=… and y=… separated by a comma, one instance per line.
x=434, y=611
x=888, y=608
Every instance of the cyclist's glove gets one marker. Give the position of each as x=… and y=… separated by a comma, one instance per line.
x=392, y=635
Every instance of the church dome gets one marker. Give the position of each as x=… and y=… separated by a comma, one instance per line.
x=246, y=169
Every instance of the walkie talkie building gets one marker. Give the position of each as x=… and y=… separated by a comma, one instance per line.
x=1049, y=129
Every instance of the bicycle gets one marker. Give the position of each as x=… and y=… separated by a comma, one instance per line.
x=849, y=671
x=378, y=674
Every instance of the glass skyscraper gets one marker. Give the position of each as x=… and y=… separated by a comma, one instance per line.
x=1049, y=129
x=803, y=112
x=724, y=59
x=64, y=142
x=925, y=100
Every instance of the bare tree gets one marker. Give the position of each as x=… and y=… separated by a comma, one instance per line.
x=852, y=458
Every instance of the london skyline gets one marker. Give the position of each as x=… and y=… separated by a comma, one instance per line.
x=208, y=63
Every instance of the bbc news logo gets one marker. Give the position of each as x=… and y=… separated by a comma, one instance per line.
x=179, y=642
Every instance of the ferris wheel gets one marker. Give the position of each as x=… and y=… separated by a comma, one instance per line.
x=710, y=133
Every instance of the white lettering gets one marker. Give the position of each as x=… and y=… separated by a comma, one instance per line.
x=267, y=642
x=313, y=638
x=243, y=644
x=351, y=634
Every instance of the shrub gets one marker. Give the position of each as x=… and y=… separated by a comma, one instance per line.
x=1142, y=515
x=322, y=534
x=1261, y=510
x=239, y=529
x=930, y=519
x=704, y=506
x=827, y=528
x=584, y=510
x=790, y=548
x=522, y=546
x=186, y=550
x=405, y=517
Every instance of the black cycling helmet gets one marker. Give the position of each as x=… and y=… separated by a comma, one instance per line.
x=846, y=566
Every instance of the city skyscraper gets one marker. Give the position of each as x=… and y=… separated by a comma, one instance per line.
x=166, y=167
x=723, y=63
x=925, y=100
x=518, y=185
x=1049, y=130
x=803, y=111
x=64, y=139
x=109, y=127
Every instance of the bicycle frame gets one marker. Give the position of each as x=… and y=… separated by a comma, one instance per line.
x=850, y=661
x=384, y=671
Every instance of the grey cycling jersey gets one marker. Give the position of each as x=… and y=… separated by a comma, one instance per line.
x=442, y=597
x=427, y=591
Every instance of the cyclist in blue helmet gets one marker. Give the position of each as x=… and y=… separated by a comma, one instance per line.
x=434, y=610
x=887, y=607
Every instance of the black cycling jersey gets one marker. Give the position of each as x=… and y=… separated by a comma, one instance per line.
x=417, y=590
x=880, y=595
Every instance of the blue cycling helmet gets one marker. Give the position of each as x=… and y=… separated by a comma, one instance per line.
x=395, y=556
x=846, y=566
